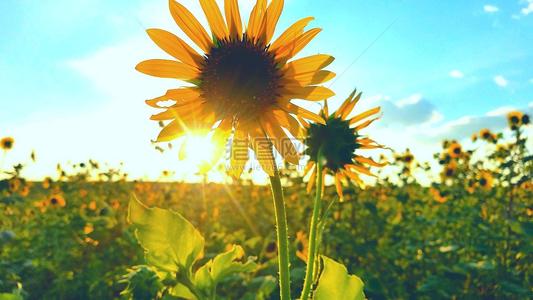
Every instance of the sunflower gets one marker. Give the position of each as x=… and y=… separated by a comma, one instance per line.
x=450, y=170
x=243, y=82
x=7, y=143
x=337, y=141
x=474, y=137
x=57, y=201
x=514, y=119
x=487, y=135
x=454, y=149
x=485, y=180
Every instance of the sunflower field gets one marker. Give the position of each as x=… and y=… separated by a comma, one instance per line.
x=468, y=235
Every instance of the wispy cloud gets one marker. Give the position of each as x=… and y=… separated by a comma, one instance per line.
x=528, y=9
x=488, y=8
x=456, y=74
x=500, y=81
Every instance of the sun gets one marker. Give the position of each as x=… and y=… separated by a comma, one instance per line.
x=198, y=150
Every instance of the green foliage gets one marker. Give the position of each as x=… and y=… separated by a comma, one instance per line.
x=334, y=282
x=172, y=245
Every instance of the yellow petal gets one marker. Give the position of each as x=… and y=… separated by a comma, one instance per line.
x=172, y=131
x=353, y=176
x=365, y=124
x=312, y=93
x=190, y=26
x=233, y=18
x=184, y=110
x=308, y=64
x=346, y=102
x=179, y=95
x=361, y=169
x=281, y=141
x=369, y=161
x=291, y=49
x=366, y=114
x=326, y=108
x=310, y=164
x=214, y=18
x=349, y=107
x=167, y=69
x=289, y=123
x=176, y=47
x=291, y=33
x=309, y=78
x=272, y=16
x=301, y=112
x=256, y=19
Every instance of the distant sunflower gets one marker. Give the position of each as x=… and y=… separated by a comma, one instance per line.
x=487, y=135
x=7, y=143
x=486, y=181
x=57, y=201
x=454, y=149
x=338, y=140
x=242, y=83
x=514, y=119
x=450, y=170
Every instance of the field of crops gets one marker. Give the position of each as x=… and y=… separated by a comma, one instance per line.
x=466, y=236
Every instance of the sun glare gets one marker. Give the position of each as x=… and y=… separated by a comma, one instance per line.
x=197, y=149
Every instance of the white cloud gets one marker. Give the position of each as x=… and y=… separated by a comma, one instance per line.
x=490, y=8
x=500, y=81
x=528, y=9
x=456, y=74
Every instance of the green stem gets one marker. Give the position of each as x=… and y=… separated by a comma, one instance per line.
x=313, y=233
x=283, y=239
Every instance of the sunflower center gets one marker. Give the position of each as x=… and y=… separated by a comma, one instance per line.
x=240, y=78
x=337, y=141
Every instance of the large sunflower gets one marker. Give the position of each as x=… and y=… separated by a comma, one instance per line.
x=242, y=83
x=338, y=143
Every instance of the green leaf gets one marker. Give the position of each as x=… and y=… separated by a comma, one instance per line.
x=170, y=242
x=335, y=282
x=6, y=296
x=223, y=265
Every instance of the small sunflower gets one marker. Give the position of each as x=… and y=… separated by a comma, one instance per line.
x=485, y=180
x=337, y=141
x=487, y=135
x=474, y=137
x=57, y=201
x=7, y=143
x=450, y=170
x=454, y=149
x=242, y=83
x=514, y=119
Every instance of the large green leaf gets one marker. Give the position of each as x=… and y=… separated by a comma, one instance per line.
x=335, y=282
x=169, y=240
x=223, y=265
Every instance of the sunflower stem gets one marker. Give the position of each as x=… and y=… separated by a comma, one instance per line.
x=282, y=236
x=313, y=232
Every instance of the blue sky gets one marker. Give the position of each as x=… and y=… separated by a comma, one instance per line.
x=442, y=69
